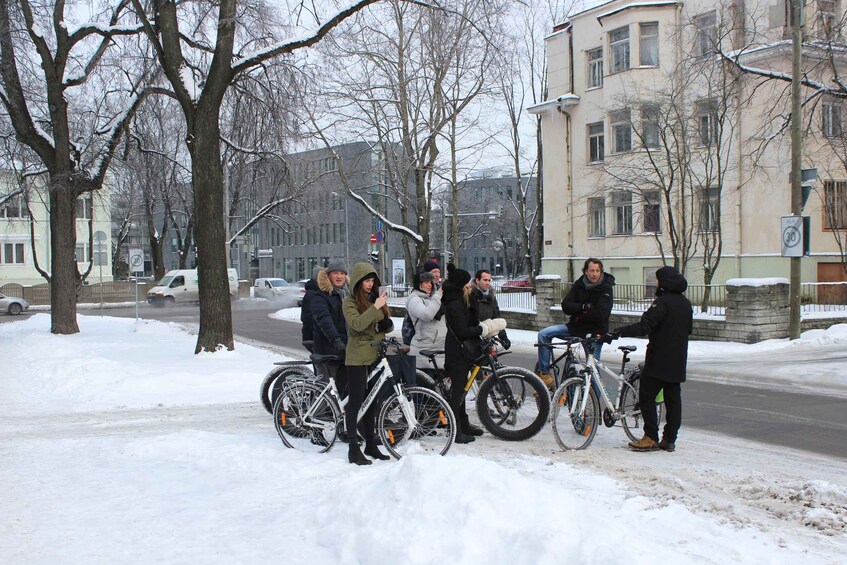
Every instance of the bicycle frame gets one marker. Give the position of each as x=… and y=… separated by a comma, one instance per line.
x=593, y=369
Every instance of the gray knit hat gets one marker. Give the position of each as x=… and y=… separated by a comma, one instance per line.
x=336, y=266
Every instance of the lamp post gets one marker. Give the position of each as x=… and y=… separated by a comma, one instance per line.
x=491, y=215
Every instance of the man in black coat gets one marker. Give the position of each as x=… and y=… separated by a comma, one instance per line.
x=589, y=304
x=667, y=323
x=330, y=327
x=484, y=301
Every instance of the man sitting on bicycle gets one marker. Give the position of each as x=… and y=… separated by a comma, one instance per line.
x=589, y=304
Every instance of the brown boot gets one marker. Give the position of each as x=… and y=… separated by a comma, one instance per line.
x=644, y=444
x=548, y=379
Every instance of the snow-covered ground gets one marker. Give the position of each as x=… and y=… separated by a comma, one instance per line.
x=119, y=445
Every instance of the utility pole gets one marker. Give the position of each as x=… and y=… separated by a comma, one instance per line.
x=797, y=18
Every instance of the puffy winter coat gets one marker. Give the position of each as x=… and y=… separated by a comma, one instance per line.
x=308, y=329
x=327, y=316
x=462, y=324
x=362, y=333
x=667, y=323
x=595, y=320
x=430, y=332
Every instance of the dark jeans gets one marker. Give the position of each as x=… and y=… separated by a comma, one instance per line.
x=647, y=391
x=357, y=385
x=458, y=373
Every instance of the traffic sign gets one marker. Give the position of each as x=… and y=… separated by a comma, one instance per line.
x=379, y=225
x=373, y=238
x=795, y=235
x=136, y=260
x=380, y=236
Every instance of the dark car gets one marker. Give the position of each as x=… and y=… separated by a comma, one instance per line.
x=521, y=284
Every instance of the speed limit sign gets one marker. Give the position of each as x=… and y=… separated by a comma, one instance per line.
x=136, y=260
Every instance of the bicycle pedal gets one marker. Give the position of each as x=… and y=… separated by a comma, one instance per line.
x=608, y=418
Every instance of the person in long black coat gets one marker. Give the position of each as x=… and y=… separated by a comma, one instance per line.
x=308, y=330
x=462, y=344
x=330, y=328
x=667, y=323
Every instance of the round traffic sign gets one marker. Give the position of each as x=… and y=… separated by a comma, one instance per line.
x=373, y=238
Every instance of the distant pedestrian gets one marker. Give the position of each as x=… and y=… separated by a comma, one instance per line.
x=667, y=323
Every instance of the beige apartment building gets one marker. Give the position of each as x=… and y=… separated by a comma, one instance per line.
x=655, y=146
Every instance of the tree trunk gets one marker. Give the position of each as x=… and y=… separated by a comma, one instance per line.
x=64, y=275
x=208, y=183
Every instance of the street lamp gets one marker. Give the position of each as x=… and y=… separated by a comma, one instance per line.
x=491, y=216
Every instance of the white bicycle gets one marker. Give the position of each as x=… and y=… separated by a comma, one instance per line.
x=578, y=410
x=309, y=414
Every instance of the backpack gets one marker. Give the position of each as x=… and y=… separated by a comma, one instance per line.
x=408, y=330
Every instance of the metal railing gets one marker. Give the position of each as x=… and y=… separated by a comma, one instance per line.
x=706, y=299
x=823, y=297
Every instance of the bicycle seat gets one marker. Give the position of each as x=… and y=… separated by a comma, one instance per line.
x=431, y=352
x=628, y=348
x=320, y=358
x=291, y=363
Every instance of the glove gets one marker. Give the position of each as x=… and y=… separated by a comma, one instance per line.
x=586, y=307
x=610, y=336
x=492, y=326
x=504, y=339
x=384, y=325
x=339, y=344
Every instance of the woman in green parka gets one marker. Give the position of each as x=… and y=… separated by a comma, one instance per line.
x=368, y=320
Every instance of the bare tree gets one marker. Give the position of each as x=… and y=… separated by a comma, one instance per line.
x=55, y=93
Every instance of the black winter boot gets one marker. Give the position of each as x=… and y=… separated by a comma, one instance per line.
x=354, y=454
x=372, y=450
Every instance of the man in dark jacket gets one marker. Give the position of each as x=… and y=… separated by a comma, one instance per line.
x=589, y=304
x=330, y=328
x=667, y=323
x=484, y=301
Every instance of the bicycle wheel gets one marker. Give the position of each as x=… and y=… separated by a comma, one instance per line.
x=424, y=380
x=513, y=404
x=306, y=417
x=272, y=384
x=572, y=428
x=631, y=411
x=435, y=427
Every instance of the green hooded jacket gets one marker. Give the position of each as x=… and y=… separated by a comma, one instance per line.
x=362, y=334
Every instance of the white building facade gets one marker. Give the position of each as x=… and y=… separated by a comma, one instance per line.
x=655, y=147
x=26, y=218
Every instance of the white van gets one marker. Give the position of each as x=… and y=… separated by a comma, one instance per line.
x=181, y=286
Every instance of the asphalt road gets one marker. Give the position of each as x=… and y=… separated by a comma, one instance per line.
x=810, y=422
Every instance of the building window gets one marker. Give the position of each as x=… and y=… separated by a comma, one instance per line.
x=827, y=22
x=596, y=143
x=82, y=253
x=710, y=211
x=705, y=35
x=13, y=253
x=652, y=213
x=621, y=131
x=595, y=68
x=650, y=126
x=649, y=44
x=596, y=217
x=707, y=122
x=831, y=118
x=835, y=204
x=619, y=47
x=83, y=208
x=622, y=207
x=15, y=207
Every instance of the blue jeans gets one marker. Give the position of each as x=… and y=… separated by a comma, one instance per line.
x=560, y=331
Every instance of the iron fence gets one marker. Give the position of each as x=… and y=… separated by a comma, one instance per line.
x=705, y=299
x=823, y=297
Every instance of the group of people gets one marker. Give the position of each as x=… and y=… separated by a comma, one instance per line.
x=667, y=323
x=346, y=315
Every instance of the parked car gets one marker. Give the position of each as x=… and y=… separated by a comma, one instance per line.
x=276, y=290
x=521, y=284
x=301, y=287
x=12, y=304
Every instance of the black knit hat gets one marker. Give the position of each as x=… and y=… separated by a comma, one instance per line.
x=457, y=277
x=430, y=265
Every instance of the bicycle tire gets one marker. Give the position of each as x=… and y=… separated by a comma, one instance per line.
x=436, y=424
x=269, y=391
x=318, y=434
x=425, y=381
x=513, y=404
x=572, y=430
x=631, y=418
